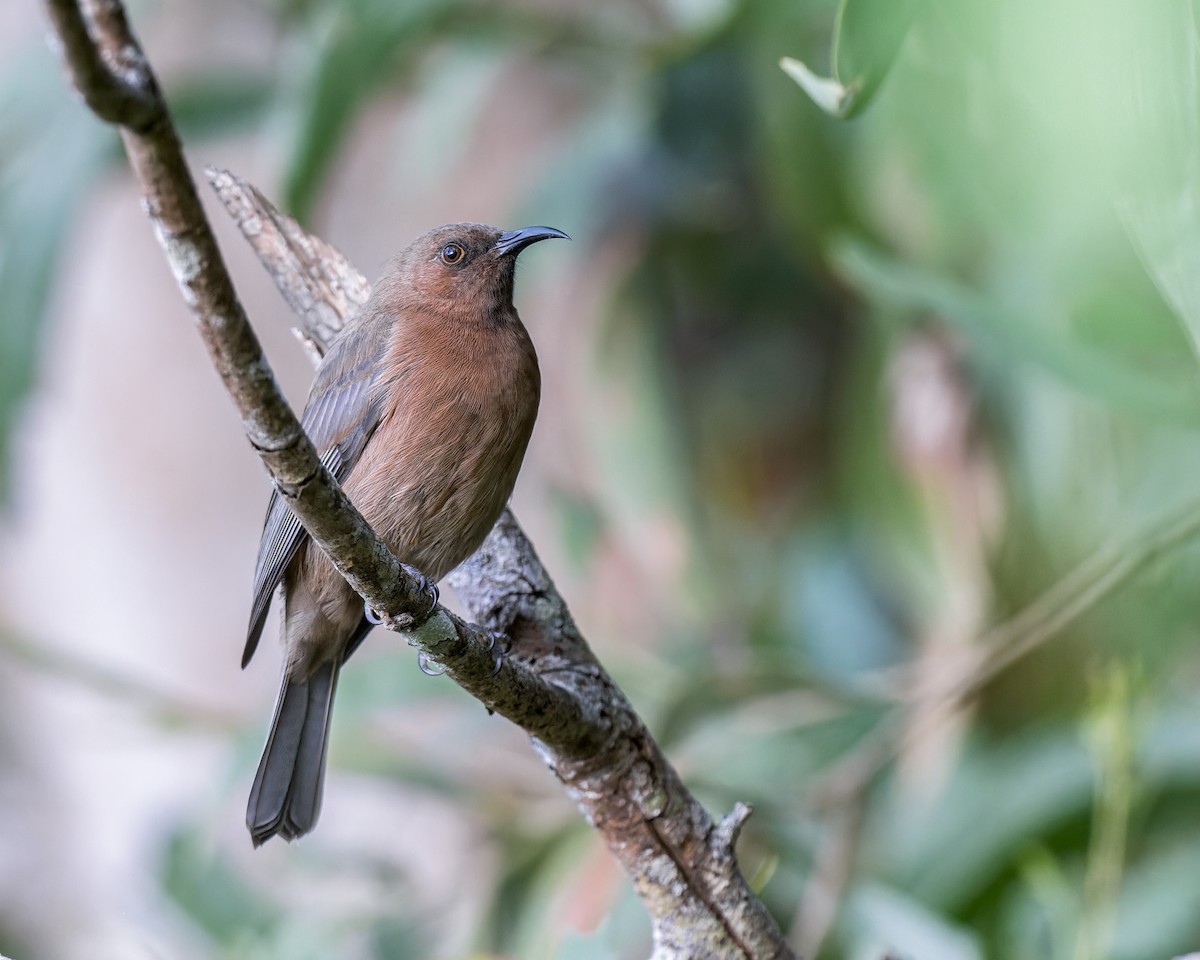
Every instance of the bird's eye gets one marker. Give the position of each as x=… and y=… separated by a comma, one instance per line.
x=452, y=253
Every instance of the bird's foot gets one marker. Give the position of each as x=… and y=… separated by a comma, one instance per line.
x=498, y=645
x=425, y=587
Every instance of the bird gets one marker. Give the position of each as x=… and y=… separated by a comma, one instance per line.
x=422, y=409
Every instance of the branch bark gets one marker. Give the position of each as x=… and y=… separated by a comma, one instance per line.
x=682, y=864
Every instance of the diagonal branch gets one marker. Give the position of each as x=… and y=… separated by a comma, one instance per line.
x=681, y=863
x=131, y=97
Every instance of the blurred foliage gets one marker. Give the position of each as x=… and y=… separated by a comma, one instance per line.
x=346, y=52
x=49, y=154
x=867, y=36
x=889, y=380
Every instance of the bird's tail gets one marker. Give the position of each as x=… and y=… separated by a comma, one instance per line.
x=286, y=796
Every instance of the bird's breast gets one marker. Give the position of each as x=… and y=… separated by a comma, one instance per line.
x=443, y=461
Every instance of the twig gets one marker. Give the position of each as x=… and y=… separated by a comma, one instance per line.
x=682, y=865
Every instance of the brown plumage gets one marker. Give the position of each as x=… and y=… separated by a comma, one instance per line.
x=422, y=409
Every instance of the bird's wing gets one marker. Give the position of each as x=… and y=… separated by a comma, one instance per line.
x=343, y=411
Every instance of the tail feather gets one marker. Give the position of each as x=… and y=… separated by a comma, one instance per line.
x=286, y=796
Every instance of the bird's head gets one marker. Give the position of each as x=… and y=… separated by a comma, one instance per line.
x=468, y=266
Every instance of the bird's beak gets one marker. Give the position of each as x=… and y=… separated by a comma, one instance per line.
x=515, y=241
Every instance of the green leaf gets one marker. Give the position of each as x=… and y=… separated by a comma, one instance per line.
x=1167, y=236
x=994, y=328
x=1161, y=210
x=827, y=93
x=867, y=35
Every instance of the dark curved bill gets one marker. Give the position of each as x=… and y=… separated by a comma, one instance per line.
x=517, y=240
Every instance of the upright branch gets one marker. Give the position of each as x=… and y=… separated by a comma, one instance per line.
x=681, y=863
x=111, y=72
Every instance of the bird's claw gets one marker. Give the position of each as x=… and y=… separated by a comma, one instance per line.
x=430, y=589
x=499, y=646
x=425, y=587
x=423, y=661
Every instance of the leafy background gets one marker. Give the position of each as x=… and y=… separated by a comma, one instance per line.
x=842, y=417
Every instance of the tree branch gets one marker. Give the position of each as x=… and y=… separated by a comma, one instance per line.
x=681, y=863
x=109, y=71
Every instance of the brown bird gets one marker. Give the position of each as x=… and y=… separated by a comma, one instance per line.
x=422, y=410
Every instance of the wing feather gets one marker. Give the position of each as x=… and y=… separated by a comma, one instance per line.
x=343, y=411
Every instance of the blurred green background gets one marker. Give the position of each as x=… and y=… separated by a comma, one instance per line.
x=844, y=417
